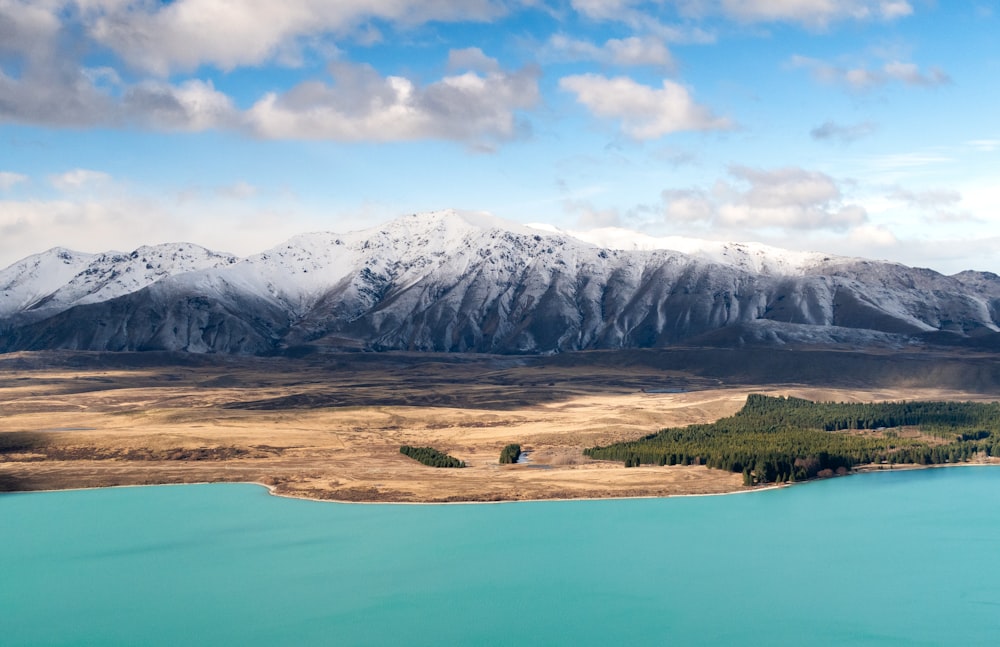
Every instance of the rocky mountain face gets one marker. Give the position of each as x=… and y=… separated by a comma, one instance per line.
x=455, y=282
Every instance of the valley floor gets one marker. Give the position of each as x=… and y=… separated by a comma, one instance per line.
x=330, y=427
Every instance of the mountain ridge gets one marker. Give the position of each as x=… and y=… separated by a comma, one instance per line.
x=460, y=282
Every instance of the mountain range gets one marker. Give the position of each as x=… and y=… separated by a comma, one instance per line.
x=460, y=282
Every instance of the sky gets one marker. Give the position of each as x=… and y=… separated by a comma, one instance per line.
x=857, y=127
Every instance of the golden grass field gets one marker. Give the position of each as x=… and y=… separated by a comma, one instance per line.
x=331, y=428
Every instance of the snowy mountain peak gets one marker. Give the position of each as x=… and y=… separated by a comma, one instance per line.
x=65, y=278
x=461, y=281
x=26, y=282
x=455, y=222
x=751, y=257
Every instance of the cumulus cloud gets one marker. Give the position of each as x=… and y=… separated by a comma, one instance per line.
x=191, y=106
x=48, y=84
x=689, y=205
x=644, y=112
x=785, y=198
x=865, y=78
x=472, y=58
x=8, y=180
x=869, y=236
x=57, y=95
x=361, y=104
x=478, y=106
x=634, y=50
x=26, y=28
x=845, y=133
x=164, y=38
x=78, y=179
x=185, y=34
x=80, y=97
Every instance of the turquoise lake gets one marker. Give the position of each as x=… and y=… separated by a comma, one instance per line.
x=876, y=559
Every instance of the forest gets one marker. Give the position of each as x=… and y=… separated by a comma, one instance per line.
x=430, y=456
x=782, y=439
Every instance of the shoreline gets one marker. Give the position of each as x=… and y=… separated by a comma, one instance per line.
x=305, y=432
x=272, y=490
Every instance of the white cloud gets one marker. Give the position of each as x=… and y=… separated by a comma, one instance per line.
x=54, y=94
x=186, y=34
x=869, y=236
x=784, y=198
x=812, y=13
x=28, y=227
x=846, y=133
x=79, y=179
x=472, y=58
x=191, y=106
x=49, y=85
x=688, y=206
x=363, y=105
x=65, y=97
x=241, y=190
x=937, y=205
x=926, y=199
x=115, y=218
x=643, y=21
x=895, y=9
x=791, y=198
x=634, y=50
x=588, y=216
x=478, y=106
x=910, y=74
x=984, y=145
x=8, y=180
x=603, y=9
x=865, y=78
x=26, y=28
x=644, y=112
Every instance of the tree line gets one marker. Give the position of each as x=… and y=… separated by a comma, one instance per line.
x=430, y=456
x=779, y=439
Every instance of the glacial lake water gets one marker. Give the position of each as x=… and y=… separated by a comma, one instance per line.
x=903, y=558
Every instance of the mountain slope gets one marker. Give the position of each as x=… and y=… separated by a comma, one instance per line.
x=447, y=281
x=29, y=281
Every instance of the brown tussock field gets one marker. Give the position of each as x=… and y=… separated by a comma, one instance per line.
x=331, y=428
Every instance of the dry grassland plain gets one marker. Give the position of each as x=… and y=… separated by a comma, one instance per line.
x=330, y=427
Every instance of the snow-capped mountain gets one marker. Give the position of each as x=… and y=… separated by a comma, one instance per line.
x=449, y=281
x=59, y=279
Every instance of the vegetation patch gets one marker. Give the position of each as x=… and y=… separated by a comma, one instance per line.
x=430, y=456
x=510, y=454
x=778, y=439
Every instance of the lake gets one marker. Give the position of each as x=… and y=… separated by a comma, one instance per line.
x=875, y=559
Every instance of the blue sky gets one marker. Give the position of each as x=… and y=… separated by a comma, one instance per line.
x=859, y=127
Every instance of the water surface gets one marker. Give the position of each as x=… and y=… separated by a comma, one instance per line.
x=880, y=559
